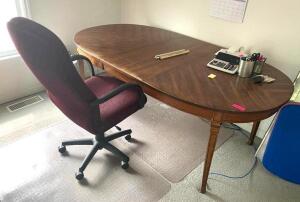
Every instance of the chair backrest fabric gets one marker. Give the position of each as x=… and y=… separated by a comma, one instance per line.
x=48, y=59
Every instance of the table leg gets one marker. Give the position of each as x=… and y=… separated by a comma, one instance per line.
x=214, y=130
x=253, y=132
x=81, y=69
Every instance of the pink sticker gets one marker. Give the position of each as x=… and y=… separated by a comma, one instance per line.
x=239, y=107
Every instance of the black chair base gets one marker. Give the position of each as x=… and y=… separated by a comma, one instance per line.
x=98, y=144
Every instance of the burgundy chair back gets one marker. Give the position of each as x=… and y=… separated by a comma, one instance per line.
x=46, y=56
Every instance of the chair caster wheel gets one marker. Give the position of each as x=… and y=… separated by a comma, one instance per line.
x=79, y=175
x=128, y=137
x=62, y=149
x=124, y=165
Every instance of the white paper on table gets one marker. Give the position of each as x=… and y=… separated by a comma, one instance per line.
x=231, y=10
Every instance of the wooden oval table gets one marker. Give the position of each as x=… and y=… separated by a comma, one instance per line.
x=127, y=52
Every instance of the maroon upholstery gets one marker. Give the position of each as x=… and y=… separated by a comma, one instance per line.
x=48, y=59
x=119, y=107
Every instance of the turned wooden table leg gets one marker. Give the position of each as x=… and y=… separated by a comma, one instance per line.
x=214, y=130
x=253, y=132
x=81, y=69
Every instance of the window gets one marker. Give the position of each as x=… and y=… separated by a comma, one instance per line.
x=8, y=10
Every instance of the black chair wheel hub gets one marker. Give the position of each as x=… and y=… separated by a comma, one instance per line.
x=79, y=175
x=128, y=137
x=62, y=149
x=124, y=165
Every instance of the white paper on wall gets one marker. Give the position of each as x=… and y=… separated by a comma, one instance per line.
x=231, y=10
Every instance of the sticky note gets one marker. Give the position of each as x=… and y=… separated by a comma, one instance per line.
x=239, y=107
x=212, y=76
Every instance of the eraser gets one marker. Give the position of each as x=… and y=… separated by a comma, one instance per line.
x=212, y=76
x=239, y=107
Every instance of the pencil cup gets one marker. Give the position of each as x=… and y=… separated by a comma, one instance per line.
x=245, y=68
x=258, y=66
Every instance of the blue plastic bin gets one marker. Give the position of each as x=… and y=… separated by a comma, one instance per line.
x=282, y=154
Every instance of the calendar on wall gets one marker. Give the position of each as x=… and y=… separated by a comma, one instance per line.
x=231, y=10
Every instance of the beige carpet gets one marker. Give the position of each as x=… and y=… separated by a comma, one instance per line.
x=33, y=170
x=171, y=141
x=234, y=158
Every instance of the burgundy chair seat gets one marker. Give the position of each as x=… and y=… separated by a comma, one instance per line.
x=117, y=108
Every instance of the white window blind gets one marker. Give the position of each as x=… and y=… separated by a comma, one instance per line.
x=8, y=10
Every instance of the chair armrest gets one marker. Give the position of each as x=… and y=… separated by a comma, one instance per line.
x=82, y=57
x=115, y=92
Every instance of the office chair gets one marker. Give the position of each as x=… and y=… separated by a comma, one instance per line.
x=96, y=104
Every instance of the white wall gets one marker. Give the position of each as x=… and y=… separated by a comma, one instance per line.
x=271, y=27
x=65, y=18
x=16, y=80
